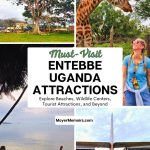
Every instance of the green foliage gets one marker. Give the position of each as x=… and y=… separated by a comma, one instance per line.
x=142, y=8
x=27, y=13
x=77, y=3
x=105, y=16
x=52, y=7
x=13, y=64
x=67, y=9
x=41, y=11
x=127, y=47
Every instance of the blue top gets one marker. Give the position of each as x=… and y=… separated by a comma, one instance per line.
x=140, y=73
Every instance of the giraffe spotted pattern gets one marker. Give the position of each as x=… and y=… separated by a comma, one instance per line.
x=83, y=27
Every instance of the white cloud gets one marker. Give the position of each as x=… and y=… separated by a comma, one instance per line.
x=132, y=124
x=8, y=98
x=9, y=10
x=99, y=130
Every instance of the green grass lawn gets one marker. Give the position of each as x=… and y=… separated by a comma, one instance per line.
x=25, y=37
x=127, y=47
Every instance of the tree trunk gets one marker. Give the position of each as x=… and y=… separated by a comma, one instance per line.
x=111, y=36
x=98, y=37
x=65, y=20
x=36, y=29
x=148, y=45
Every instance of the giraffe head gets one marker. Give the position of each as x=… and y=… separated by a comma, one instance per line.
x=122, y=4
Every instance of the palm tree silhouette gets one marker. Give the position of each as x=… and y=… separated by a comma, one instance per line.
x=13, y=71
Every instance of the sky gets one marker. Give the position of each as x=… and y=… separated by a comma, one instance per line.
x=35, y=127
x=9, y=10
x=130, y=125
x=99, y=130
x=32, y=128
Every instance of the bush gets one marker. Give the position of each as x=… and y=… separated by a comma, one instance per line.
x=127, y=48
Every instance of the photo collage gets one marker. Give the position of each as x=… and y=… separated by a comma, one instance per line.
x=74, y=74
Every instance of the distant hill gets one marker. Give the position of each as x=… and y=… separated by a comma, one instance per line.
x=7, y=123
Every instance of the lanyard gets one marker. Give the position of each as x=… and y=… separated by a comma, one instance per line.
x=136, y=65
x=134, y=79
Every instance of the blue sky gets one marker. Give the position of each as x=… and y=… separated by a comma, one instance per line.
x=130, y=124
x=100, y=129
x=34, y=128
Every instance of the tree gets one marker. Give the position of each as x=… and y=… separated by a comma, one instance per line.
x=77, y=3
x=142, y=8
x=10, y=22
x=66, y=9
x=35, y=8
x=2, y=23
x=13, y=71
x=13, y=67
x=102, y=19
x=105, y=16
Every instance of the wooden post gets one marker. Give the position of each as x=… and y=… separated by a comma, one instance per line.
x=112, y=132
x=61, y=148
x=2, y=148
x=147, y=38
x=111, y=39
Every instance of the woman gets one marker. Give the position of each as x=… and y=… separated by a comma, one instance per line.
x=136, y=76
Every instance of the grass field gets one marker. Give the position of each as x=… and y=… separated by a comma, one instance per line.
x=25, y=37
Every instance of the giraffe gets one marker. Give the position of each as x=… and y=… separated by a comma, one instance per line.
x=83, y=27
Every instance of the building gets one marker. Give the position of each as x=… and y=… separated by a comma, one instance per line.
x=20, y=25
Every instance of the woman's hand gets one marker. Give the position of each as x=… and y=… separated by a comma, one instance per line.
x=124, y=70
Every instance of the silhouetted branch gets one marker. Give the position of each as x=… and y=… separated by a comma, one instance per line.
x=11, y=109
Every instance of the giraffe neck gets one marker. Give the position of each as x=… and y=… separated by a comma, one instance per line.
x=86, y=7
x=93, y=5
